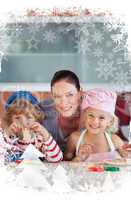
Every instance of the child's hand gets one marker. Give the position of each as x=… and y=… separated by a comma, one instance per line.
x=15, y=128
x=39, y=130
x=39, y=143
x=127, y=147
x=123, y=152
x=85, y=150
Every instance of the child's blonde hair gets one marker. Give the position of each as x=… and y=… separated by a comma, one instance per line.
x=113, y=128
x=22, y=106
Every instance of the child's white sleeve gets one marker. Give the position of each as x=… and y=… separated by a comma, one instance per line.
x=2, y=143
x=52, y=151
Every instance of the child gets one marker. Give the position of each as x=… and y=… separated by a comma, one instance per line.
x=98, y=108
x=22, y=124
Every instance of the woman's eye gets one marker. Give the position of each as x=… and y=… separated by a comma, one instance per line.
x=102, y=118
x=70, y=95
x=56, y=97
x=17, y=117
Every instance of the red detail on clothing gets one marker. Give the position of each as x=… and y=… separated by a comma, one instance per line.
x=48, y=144
x=53, y=148
x=18, y=161
x=56, y=155
x=25, y=143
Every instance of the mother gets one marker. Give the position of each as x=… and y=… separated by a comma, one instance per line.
x=63, y=110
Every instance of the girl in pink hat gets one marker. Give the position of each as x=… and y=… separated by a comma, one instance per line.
x=97, y=141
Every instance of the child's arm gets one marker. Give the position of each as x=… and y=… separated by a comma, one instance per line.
x=119, y=145
x=51, y=150
x=49, y=146
x=85, y=150
x=70, y=151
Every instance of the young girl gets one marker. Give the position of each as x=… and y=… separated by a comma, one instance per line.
x=22, y=124
x=98, y=108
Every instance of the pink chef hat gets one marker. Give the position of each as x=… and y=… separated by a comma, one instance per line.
x=99, y=99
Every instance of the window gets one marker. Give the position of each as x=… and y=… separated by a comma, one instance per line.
x=92, y=46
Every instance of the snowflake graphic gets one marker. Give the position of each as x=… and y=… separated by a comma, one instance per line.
x=15, y=31
x=98, y=52
x=121, y=78
x=120, y=61
x=83, y=31
x=97, y=37
x=117, y=38
x=105, y=69
x=83, y=46
x=103, y=42
x=111, y=26
x=32, y=43
x=118, y=48
x=2, y=29
x=34, y=28
x=49, y=36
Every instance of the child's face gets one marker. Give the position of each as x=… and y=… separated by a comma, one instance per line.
x=97, y=121
x=23, y=119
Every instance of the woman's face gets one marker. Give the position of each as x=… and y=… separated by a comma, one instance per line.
x=66, y=98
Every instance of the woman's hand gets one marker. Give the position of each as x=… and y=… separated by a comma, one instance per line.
x=84, y=151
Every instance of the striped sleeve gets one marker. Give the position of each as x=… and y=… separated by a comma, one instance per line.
x=52, y=151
